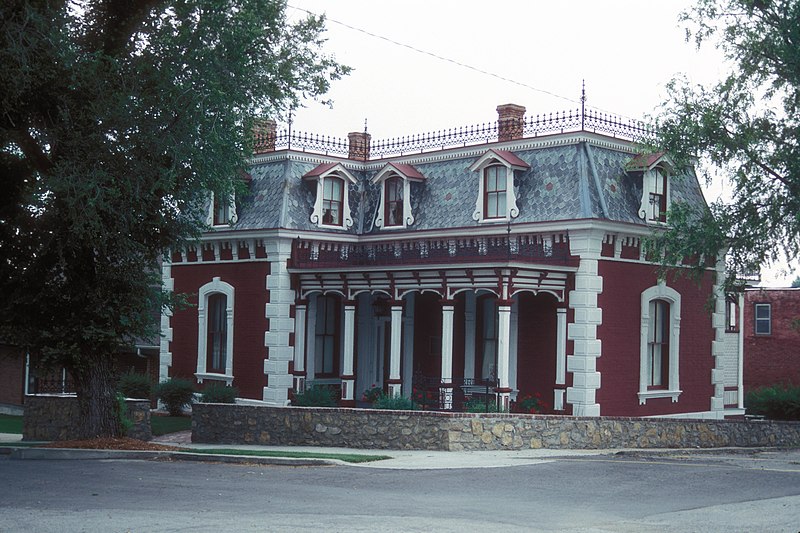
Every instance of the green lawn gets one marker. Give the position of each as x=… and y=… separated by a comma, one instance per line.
x=10, y=424
x=161, y=425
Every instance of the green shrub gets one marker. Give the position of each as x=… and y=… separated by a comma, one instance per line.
x=397, y=403
x=776, y=402
x=479, y=404
x=125, y=422
x=175, y=394
x=316, y=396
x=219, y=393
x=134, y=385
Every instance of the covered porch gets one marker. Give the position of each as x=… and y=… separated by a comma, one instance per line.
x=440, y=330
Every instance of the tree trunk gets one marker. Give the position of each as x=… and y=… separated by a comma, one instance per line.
x=97, y=398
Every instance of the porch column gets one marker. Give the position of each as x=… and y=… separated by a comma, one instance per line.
x=395, y=383
x=469, y=335
x=446, y=386
x=348, y=379
x=561, y=357
x=503, y=352
x=299, y=370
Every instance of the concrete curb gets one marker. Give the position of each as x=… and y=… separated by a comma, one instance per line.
x=72, y=454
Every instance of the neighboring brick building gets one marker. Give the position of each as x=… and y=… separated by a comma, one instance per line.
x=507, y=253
x=771, y=328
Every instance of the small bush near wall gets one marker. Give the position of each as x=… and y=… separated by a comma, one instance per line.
x=315, y=396
x=775, y=402
x=135, y=385
x=398, y=403
x=219, y=393
x=175, y=394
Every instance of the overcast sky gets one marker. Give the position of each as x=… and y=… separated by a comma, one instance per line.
x=532, y=53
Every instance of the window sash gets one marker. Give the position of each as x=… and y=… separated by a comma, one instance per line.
x=763, y=319
x=658, y=344
x=326, y=337
x=495, y=191
x=217, y=346
x=222, y=212
x=332, y=200
x=393, y=214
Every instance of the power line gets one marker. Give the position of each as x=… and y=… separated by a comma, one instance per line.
x=441, y=58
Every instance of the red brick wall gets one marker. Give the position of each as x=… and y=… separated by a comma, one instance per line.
x=250, y=298
x=775, y=358
x=536, y=346
x=623, y=284
x=12, y=375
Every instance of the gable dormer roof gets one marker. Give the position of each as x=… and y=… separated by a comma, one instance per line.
x=502, y=156
x=325, y=169
x=406, y=171
x=645, y=162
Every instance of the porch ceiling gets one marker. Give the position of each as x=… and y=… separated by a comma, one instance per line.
x=503, y=279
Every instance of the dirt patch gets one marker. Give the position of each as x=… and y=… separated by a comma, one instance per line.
x=118, y=443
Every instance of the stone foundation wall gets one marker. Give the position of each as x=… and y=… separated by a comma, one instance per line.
x=54, y=417
x=424, y=430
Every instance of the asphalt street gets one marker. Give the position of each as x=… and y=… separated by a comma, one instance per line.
x=631, y=491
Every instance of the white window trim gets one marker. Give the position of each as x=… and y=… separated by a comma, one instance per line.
x=648, y=179
x=512, y=211
x=347, y=178
x=408, y=217
x=672, y=390
x=233, y=215
x=212, y=287
x=756, y=319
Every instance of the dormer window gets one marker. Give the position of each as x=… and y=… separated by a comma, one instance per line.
x=655, y=169
x=393, y=205
x=332, y=200
x=494, y=191
x=658, y=195
x=497, y=199
x=332, y=205
x=222, y=210
x=395, y=182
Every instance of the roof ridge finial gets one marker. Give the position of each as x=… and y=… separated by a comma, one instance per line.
x=583, y=102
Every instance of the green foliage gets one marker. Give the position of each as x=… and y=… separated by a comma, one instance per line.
x=175, y=394
x=776, y=402
x=135, y=385
x=116, y=120
x=316, y=396
x=796, y=283
x=479, y=404
x=372, y=394
x=531, y=403
x=746, y=127
x=396, y=403
x=10, y=424
x=161, y=425
x=219, y=393
x=125, y=423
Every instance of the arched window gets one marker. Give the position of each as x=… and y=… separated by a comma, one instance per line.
x=215, y=331
x=494, y=191
x=217, y=349
x=332, y=200
x=393, y=201
x=659, y=345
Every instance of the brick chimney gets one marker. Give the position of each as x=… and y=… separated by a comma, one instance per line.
x=359, y=145
x=264, y=134
x=510, y=121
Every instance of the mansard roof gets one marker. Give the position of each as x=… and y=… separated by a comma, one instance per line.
x=561, y=172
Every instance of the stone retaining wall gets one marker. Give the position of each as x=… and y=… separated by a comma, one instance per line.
x=54, y=417
x=425, y=430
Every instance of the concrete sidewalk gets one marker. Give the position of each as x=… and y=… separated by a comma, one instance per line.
x=398, y=459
